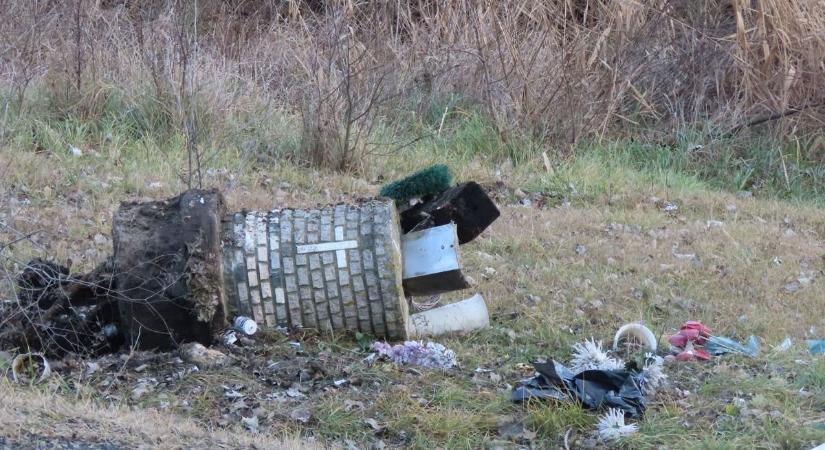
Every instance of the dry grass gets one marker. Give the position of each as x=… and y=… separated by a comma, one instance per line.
x=364, y=78
x=32, y=415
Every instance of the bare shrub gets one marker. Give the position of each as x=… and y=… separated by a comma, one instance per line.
x=553, y=72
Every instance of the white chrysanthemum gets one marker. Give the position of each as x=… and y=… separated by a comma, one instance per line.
x=653, y=374
x=611, y=425
x=589, y=355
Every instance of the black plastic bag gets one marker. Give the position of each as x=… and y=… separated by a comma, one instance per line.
x=594, y=389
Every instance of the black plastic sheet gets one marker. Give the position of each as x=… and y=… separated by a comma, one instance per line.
x=594, y=389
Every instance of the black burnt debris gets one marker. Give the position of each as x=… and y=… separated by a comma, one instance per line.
x=160, y=288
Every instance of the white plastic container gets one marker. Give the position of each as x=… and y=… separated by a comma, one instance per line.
x=466, y=315
x=245, y=325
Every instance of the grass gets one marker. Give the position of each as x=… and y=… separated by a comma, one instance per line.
x=603, y=197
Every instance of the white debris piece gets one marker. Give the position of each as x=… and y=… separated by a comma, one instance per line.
x=589, y=355
x=611, y=426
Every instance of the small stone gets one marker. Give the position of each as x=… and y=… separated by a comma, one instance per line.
x=788, y=233
x=581, y=250
x=730, y=207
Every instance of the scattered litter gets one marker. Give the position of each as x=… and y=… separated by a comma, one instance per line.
x=637, y=333
x=301, y=415
x=414, y=353
x=466, y=315
x=581, y=250
x=714, y=224
x=30, y=368
x=232, y=393
x=250, y=423
x=816, y=346
x=376, y=427
x=230, y=337
x=589, y=355
x=430, y=181
x=350, y=405
x=533, y=299
x=793, y=287
x=466, y=205
x=91, y=368
x=143, y=387
x=594, y=389
x=295, y=393
x=785, y=345
x=428, y=304
x=245, y=325
x=669, y=207
x=720, y=345
x=653, y=376
x=611, y=425
x=205, y=358
x=75, y=151
x=694, y=341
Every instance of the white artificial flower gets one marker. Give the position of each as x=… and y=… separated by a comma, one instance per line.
x=589, y=355
x=611, y=425
x=653, y=375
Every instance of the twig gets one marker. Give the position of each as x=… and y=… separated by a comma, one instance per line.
x=10, y=243
x=776, y=116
